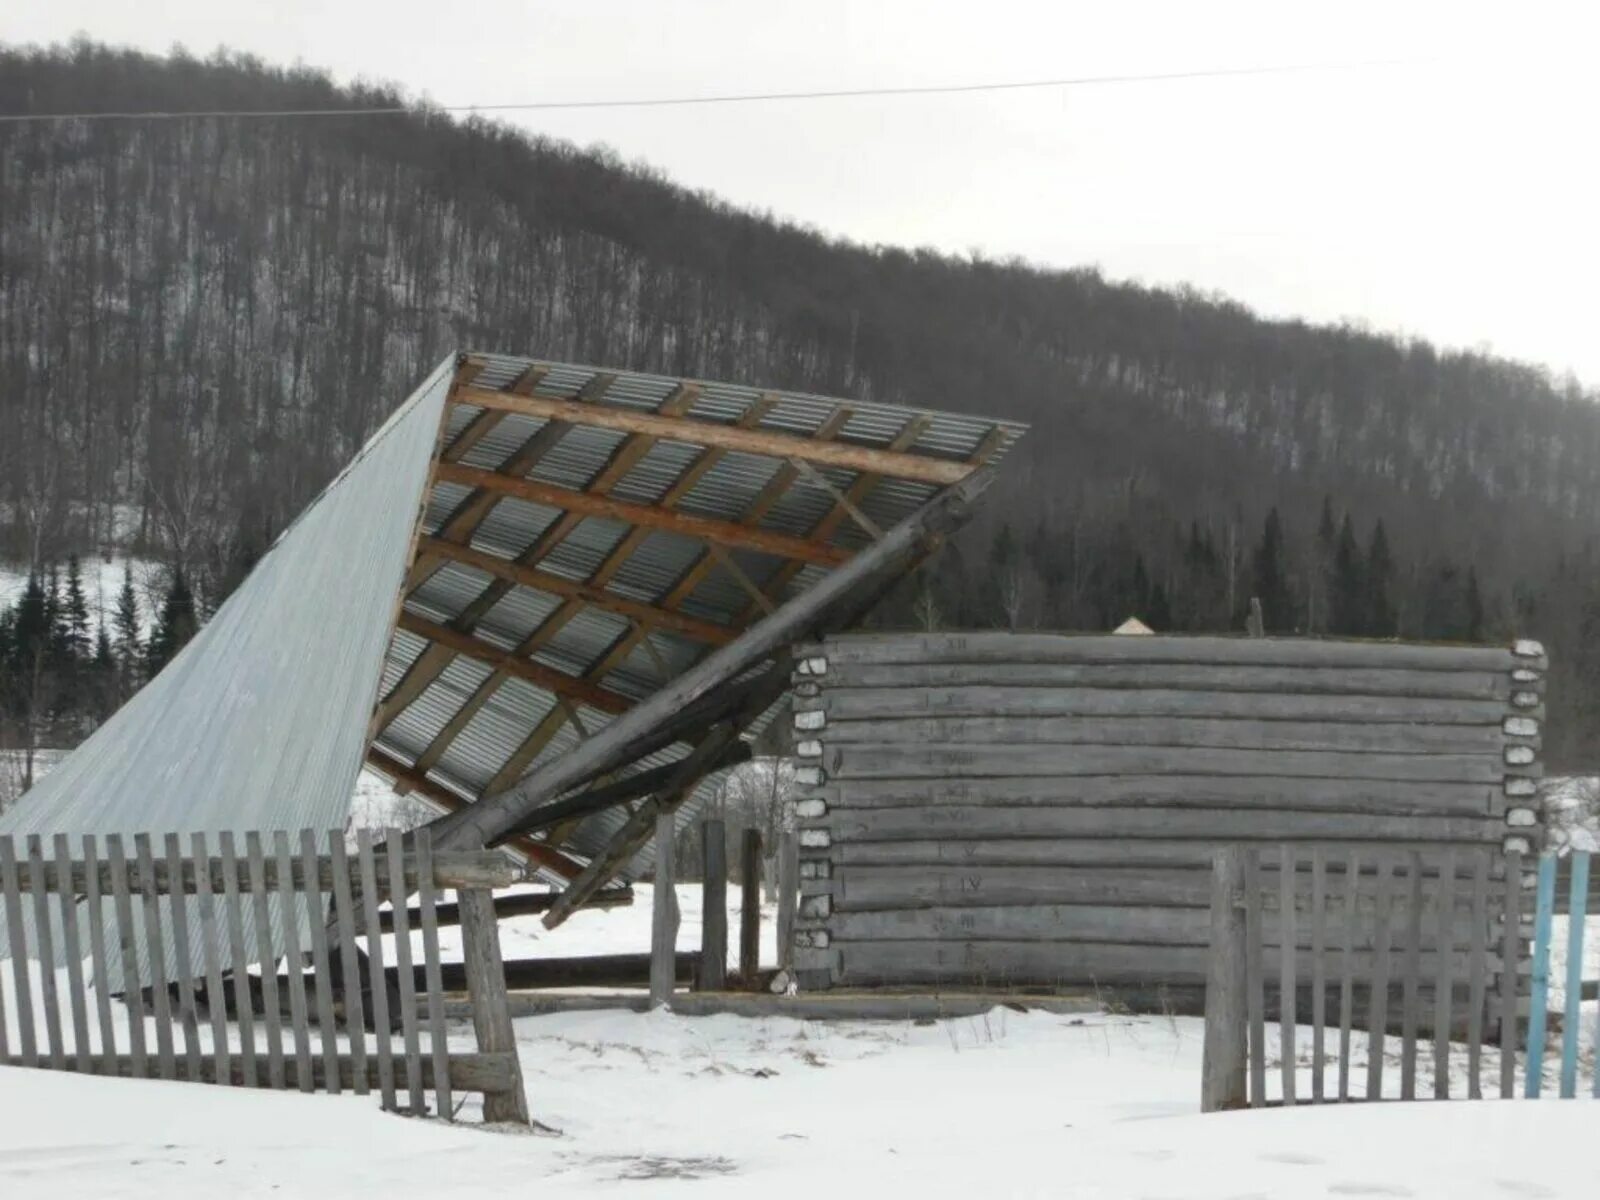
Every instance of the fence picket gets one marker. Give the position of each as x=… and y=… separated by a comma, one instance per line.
x=383, y=1034
x=1510, y=947
x=271, y=1010
x=1287, y=1021
x=1477, y=997
x=1572, y=1021
x=399, y=902
x=243, y=1001
x=44, y=935
x=289, y=910
x=206, y=908
x=155, y=953
x=322, y=974
x=17, y=935
x=72, y=949
x=1444, y=986
x=128, y=949
x=1378, y=987
x=1539, y=981
x=1255, y=998
x=345, y=915
x=94, y=905
x=1319, y=982
x=178, y=907
x=1347, y=973
x=1410, y=1017
x=429, y=918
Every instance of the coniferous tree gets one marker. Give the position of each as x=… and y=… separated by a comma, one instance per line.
x=127, y=642
x=1380, y=620
x=175, y=625
x=1270, y=577
x=1347, y=608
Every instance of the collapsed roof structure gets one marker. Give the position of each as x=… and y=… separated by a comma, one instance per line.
x=548, y=599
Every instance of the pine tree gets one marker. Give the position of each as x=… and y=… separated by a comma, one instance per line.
x=1270, y=579
x=127, y=642
x=175, y=625
x=1347, y=607
x=1474, y=630
x=1320, y=602
x=75, y=614
x=1381, y=618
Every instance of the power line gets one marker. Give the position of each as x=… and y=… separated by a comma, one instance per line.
x=949, y=89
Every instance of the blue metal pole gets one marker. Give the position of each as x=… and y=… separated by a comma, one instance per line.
x=1578, y=899
x=1539, y=989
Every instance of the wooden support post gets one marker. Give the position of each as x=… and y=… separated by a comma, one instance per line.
x=486, y=985
x=788, y=895
x=750, y=907
x=664, y=914
x=714, y=906
x=1222, y=1074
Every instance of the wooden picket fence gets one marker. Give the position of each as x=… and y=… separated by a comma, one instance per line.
x=1573, y=899
x=172, y=930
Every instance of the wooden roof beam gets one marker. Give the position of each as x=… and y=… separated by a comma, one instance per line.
x=896, y=464
x=724, y=533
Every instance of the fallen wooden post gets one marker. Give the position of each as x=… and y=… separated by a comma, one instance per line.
x=524, y=905
x=486, y=984
x=750, y=906
x=714, y=906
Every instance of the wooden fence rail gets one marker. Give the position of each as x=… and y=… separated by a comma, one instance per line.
x=171, y=931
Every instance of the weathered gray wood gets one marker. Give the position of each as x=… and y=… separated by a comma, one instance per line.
x=486, y=986
x=17, y=935
x=127, y=946
x=155, y=954
x=1378, y=987
x=1444, y=988
x=347, y=922
x=842, y=704
x=1000, y=964
x=210, y=945
x=98, y=959
x=1355, y=796
x=1510, y=955
x=788, y=895
x=1302, y=681
x=1413, y=976
x=486, y=1073
x=714, y=905
x=1255, y=992
x=457, y=868
x=1319, y=980
x=248, y=1073
x=438, y=1038
x=322, y=972
x=518, y=904
x=993, y=821
x=1225, y=1054
x=271, y=1010
x=1274, y=734
x=1287, y=1023
x=1347, y=972
x=49, y=998
x=382, y=1028
x=663, y=912
x=750, y=906
x=72, y=951
x=997, y=647
x=1477, y=974
x=1009, y=760
x=178, y=914
x=407, y=976
x=289, y=899
x=1082, y=852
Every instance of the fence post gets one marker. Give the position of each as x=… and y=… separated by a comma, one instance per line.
x=750, y=907
x=486, y=987
x=788, y=895
x=1539, y=980
x=1222, y=1073
x=714, y=906
x=664, y=915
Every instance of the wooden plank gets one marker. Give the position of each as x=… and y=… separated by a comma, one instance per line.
x=1084, y=852
x=1413, y=977
x=1477, y=973
x=407, y=977
x=382, y=1027
x=980, y=822
x=1365, y=797
x=1510, y=952
x=749, y=906
x=18, y=937
x=1198, y=732
x=178, y=910
x=322, y=982
x=663, y=911
x=1288, y=1053
x=49, y=998
x=347, y=920
x=210, y=947
x=289, y=901
x=1572, y=1021
x=667, y=520
x=1347, y=972
x=1225, y=1055
x=239, y=959
x=868, y=888
x=844, y=704
x=1539, y=981
x=1010, y=760
x=155, y=953
x=271, y=1009
x=1378, y=983
x=1319, y=979
x=1291, y=680
x=1444, y=988
x=714, y=905
x=896, y=464
x=788, y=896
x=486, y=987
x=1255, y=997
x=438, y=1037
x=970, y=648
x=99, y=962
x=127, y=947
x=72, y=950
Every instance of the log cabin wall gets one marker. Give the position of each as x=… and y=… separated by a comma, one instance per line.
x=992, y=809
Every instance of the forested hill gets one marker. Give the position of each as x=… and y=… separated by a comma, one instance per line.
x=201, y=320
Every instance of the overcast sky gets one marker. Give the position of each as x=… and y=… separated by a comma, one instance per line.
x=1456, y=198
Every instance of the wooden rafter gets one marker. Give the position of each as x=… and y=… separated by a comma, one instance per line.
x=709, y=529
x=765, y=442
